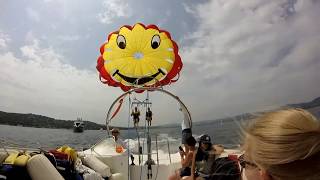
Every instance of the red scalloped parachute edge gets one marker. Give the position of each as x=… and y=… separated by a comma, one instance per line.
x=175, y=70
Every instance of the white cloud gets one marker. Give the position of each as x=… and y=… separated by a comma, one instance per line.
x=69, y=37
x=33, y=14
x=30, y=37
x=114, y=9
x=40, y=83
x=4, y=40
x=245, y=56
x=252, y=55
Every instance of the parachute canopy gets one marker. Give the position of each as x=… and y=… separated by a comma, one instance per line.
x=139, y=56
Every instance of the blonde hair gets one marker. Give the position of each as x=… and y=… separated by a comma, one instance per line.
x=285, y=143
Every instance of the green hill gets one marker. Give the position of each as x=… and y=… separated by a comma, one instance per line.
x=33, y=120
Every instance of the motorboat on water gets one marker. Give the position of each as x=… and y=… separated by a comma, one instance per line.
x=143, y=161
x=107, y=159
x=149, y=162
x=165, y=163
x=78, y=125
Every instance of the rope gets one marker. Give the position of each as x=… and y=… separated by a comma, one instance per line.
x=157, y=158
x=129, y=136
x=138, y=135
x=143, y=148
x=118, y=108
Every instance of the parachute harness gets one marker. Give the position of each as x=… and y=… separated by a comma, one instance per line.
x=146, y=104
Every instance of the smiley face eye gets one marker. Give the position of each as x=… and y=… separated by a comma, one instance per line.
x=121, y=42
x=155, y=42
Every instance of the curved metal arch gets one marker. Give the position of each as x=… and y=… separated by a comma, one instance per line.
x=182, y=105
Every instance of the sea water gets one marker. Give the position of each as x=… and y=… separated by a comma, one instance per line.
x=168, y=137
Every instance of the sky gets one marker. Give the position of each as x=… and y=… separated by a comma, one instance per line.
x=238, y=56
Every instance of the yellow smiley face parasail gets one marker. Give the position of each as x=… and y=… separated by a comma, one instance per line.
x=139, y=56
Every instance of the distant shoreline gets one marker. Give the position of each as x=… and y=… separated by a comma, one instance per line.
x=39, y=121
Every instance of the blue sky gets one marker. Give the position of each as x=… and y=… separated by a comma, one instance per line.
x=239, y=56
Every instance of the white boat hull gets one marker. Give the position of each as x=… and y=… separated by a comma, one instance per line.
x=121, y=169
x=119, y=162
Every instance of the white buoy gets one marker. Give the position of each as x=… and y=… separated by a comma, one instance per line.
x=97, y=165
x=40, y=168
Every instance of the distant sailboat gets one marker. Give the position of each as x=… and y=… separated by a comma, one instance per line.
x=78, y=125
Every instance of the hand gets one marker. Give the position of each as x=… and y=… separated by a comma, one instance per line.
x=182, y=153
x=192, y=177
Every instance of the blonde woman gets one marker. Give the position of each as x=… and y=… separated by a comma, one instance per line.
x=282, y=145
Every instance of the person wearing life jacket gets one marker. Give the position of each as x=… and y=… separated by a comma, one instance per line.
x=149, y=116
x=136, y=116
x=120, y=145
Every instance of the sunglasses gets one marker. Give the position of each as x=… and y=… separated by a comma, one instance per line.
x=243, y=163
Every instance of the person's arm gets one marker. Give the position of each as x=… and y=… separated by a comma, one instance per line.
x=124, y=144
x=193, y=165
x=185, y=160
x=182, y=156
x=119, y=141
